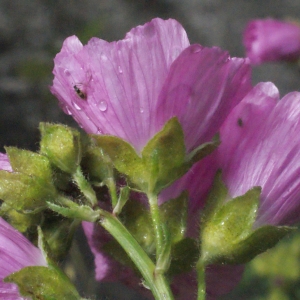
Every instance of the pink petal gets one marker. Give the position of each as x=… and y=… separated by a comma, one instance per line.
x=4, y=163
x=202, y=87
x=122, y=79
x=272, y=40
x=261, y=147
x=16, y=252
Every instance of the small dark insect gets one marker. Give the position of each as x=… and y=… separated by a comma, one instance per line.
x=240, y=122
x=79, y=92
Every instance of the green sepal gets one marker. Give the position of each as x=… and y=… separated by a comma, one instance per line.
x=30, y=163
x=203, y=150
x=122, y=199
x=57, y=237
x=124, y=158
x=136, y=218
x=62, y=145
x=162, y=160
x=174, y=214
x=25, y=193
x=164, y=156
x=184, y=256
x=47, y=283
x=22, y=222
x=97, y=164
x=70, y=209
x=227, y=234
x=257, y=242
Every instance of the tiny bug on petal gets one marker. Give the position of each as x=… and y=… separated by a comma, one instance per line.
x=79, y=92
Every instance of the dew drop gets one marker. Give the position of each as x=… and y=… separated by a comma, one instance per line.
x=99, y=131
x=68, y=112
x=67, y=72
x=141, y=110
x=196, y=49
x=103, y=105
x=103, y=57
x=120, y=70
x=76, y=106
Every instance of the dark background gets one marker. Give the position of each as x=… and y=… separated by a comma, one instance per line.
x=32, y=32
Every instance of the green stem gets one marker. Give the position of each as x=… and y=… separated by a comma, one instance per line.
x=157, y=223
x=85, y=187
x=110, y=182
x=156, y=282
x=201, y=280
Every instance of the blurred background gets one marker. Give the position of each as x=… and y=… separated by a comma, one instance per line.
x=32, y=32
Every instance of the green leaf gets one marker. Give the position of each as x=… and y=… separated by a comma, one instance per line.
x=62, y=145
x=164, y=156
x=43, y=283
x=174, y=214
x=25, y=193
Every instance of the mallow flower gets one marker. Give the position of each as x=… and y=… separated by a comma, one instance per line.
x=16, y=252
x=132, y=87
x=261, y=147
x=268, y=40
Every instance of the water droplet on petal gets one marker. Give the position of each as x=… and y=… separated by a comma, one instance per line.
x=67, y=72
x=103, y=57
x=68, y=112
x=76, y=106
x=141, y=110
x=99, y=131
x=120, y=70
x=103, y=105
x=196, y=49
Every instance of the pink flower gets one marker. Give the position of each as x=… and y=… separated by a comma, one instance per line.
x=16, y=252
x=271, y=40
x=132, y=87
x=261, y=147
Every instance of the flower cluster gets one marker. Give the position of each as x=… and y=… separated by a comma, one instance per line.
x=182, y=151
x=133, y=86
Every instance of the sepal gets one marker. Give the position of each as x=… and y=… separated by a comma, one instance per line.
x=227, y=234
x=62, y=145
x=203, y=150
x=46, y=283
x=174, y=214
x=70, y=209
x=30, y=163
x=25, y=193
x=164, y=156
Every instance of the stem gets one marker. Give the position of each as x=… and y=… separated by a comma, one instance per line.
x=110, y=182
x=85, y=187
x=201, y=280
x=157, y=224
x=156, y=282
